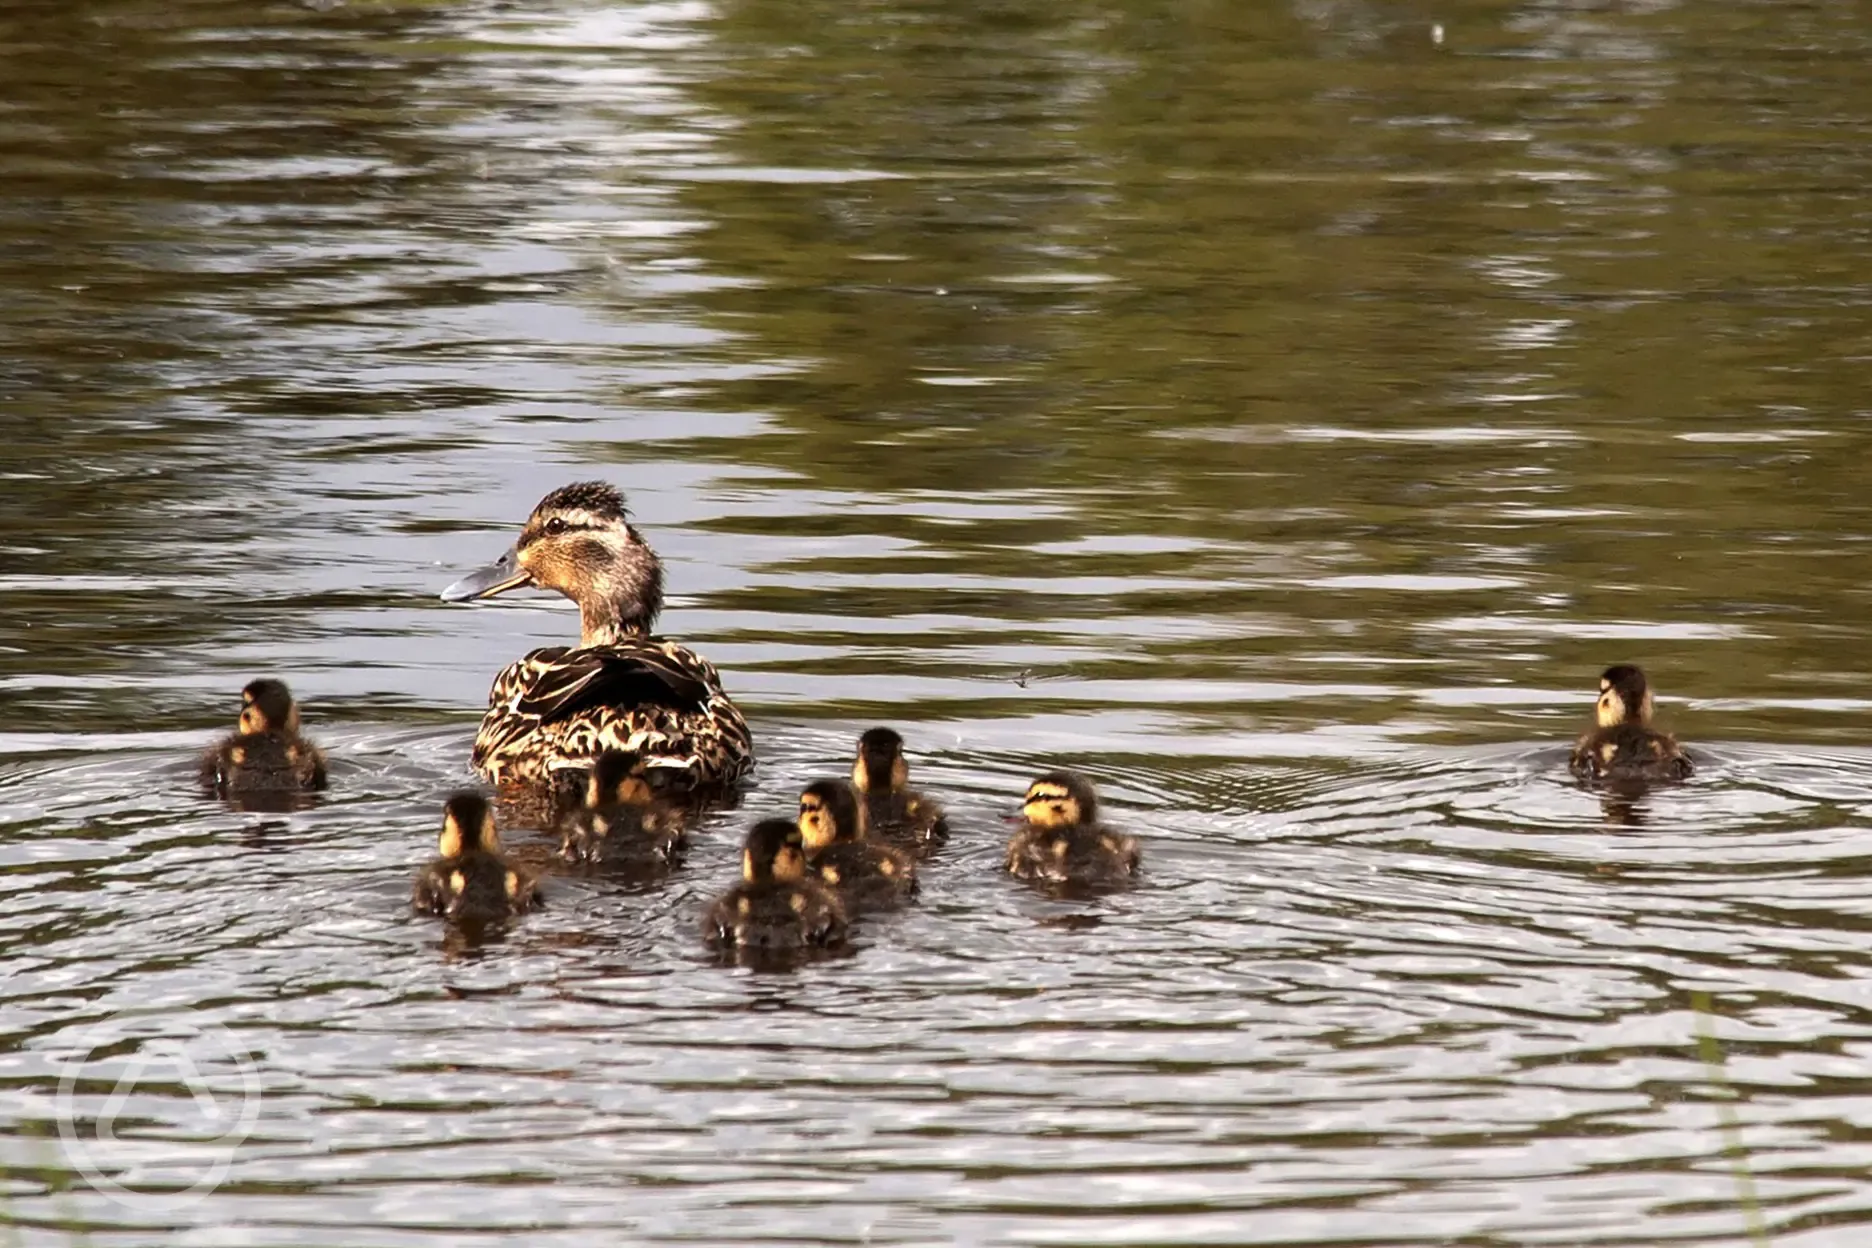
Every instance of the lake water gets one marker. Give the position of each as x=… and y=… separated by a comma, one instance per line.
x=1280, y=412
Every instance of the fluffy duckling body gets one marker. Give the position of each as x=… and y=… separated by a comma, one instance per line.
x=620, y=687
x=867, y=875
x=622, y=820
x=267, y=755
x=777, y=905
x=469, y=880
x=1623, y=745
x=893, y=810
x=1061, y=841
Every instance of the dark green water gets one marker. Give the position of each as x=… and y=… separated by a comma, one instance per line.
x=1280, y=412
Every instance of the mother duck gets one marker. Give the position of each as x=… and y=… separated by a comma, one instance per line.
x=620, y=688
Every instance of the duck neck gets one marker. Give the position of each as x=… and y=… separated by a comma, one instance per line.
x=603, y=624
x=605, y=620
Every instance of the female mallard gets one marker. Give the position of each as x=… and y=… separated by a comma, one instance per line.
x=1623, y=745
x=1061, y=840
x=619, y=688
x=470, y=881
x=893, y=809
x=267, y=756
x=867, y=875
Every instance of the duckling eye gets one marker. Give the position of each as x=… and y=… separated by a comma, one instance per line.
x=555, y=526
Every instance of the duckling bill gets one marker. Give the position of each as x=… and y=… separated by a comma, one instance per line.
x=469, y=880
x=893, y=810
x=866, y=875
x=267, y=755
x=1622, y=744
x=1061, y=841
x=777, y=905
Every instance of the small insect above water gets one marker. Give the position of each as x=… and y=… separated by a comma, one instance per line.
x=1060, y=839
x=1622, y=745
x=267, y=756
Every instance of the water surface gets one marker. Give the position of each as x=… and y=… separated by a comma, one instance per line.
x=1280, y=413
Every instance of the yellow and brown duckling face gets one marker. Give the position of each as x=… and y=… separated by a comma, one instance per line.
x=267, y=706
x=880, y=766
x=468, y=824
x=828, y=812
x=1060, y=799
x=774, y=853
x=1624, y=697
x=579, y=542
x=617, y=777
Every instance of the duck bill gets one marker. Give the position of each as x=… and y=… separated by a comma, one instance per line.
x=503, y=574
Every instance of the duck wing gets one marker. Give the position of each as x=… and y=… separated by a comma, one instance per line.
x=625, y=674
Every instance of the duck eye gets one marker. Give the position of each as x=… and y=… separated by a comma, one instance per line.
x=555, y=526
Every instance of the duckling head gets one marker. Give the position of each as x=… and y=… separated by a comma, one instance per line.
x=1624, y=696
x=579, y=542
x=880, y=766
x=774, y=853
x=267, y=706
x=1060, y=799
x=617, y=776
x=468, y=824
x=828, y=812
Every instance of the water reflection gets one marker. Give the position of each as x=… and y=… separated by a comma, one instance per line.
x=1279, y=413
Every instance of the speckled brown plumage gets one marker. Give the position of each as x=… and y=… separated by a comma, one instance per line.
x=563, y=706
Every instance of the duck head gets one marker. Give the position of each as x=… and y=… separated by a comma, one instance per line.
x=468, y=825
x=880, y=766
x=267, y=706
x=1624, y=697
x=1060, y=799
x=828, y=812
x=617, y=777
x=579, y=542
x=774, y=853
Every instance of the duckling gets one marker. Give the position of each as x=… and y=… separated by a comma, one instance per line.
x=622, y=819
x=1061, y=840
x=777, y=905
x=867, y=875
x=267, y=755
x=893, y=809
x=471, y=881
x=620, y=687
x=1623, y=745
